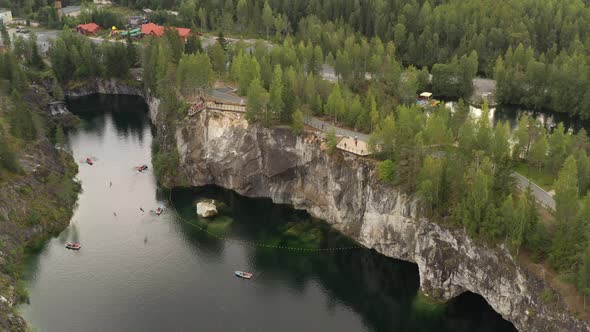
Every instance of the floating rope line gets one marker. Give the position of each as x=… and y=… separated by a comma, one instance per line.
x=254, y=243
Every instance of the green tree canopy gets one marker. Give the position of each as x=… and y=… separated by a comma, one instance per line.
x=194, y=74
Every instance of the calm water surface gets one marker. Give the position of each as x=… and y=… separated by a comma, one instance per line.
x=140, y=272
x=511, y=113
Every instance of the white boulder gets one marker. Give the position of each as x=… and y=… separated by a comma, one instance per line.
x=206, y=209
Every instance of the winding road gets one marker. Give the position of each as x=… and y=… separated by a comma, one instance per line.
x=542, y=197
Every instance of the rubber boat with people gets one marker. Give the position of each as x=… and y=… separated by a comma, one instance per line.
x=89, y=161
x=159, y=211
x=245, y=275
x=73, y=246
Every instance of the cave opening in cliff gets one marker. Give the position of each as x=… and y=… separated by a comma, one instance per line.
x=480, y=312
x=387, y=282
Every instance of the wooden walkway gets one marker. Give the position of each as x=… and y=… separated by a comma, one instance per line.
x=212, y=105
x=217, y=106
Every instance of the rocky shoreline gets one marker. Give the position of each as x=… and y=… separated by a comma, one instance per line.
x=36, y=203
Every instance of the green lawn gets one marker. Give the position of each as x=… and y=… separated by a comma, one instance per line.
x=542, y=178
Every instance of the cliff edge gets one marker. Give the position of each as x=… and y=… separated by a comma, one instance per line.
x=222, y=149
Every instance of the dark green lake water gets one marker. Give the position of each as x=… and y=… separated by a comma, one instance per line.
x=140, y=272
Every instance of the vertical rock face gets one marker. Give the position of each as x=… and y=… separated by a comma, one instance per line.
x=115, y=87
x=222, y=149
x=106, y=86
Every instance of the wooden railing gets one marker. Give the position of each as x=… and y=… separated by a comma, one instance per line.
x=215, y=105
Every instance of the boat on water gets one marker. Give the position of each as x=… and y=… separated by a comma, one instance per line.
x=89, y=161
x=159, y=211
x=73, y=246
x=142, y=168
x=245, y=275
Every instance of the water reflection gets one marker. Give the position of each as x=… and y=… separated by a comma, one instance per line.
x=510, y=114
x=130, y=119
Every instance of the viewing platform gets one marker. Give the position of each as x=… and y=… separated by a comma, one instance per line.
x=354, y=146
x=215, y=105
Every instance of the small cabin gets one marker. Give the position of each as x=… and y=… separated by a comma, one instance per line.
x=88, y=29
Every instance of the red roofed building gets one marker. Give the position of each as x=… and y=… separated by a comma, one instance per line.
x=152, y=30
x=158, y=31
x=183, y=33
x=88, y=29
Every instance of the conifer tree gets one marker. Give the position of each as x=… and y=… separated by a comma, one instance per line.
x=193, y=44
x=267, y=17
x=297, y=124
x=566, y=209
x=276, y=104
x=257, y=108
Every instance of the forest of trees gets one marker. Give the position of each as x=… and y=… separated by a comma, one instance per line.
x=75, y=57
x=435, y=30
x=288, y=73
x=549, y=71
x=553, y=80
x=460, y=169
x=19, y=126
x=554, y=34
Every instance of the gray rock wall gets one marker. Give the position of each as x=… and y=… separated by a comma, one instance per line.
x=223, y=149
x=114, y=87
